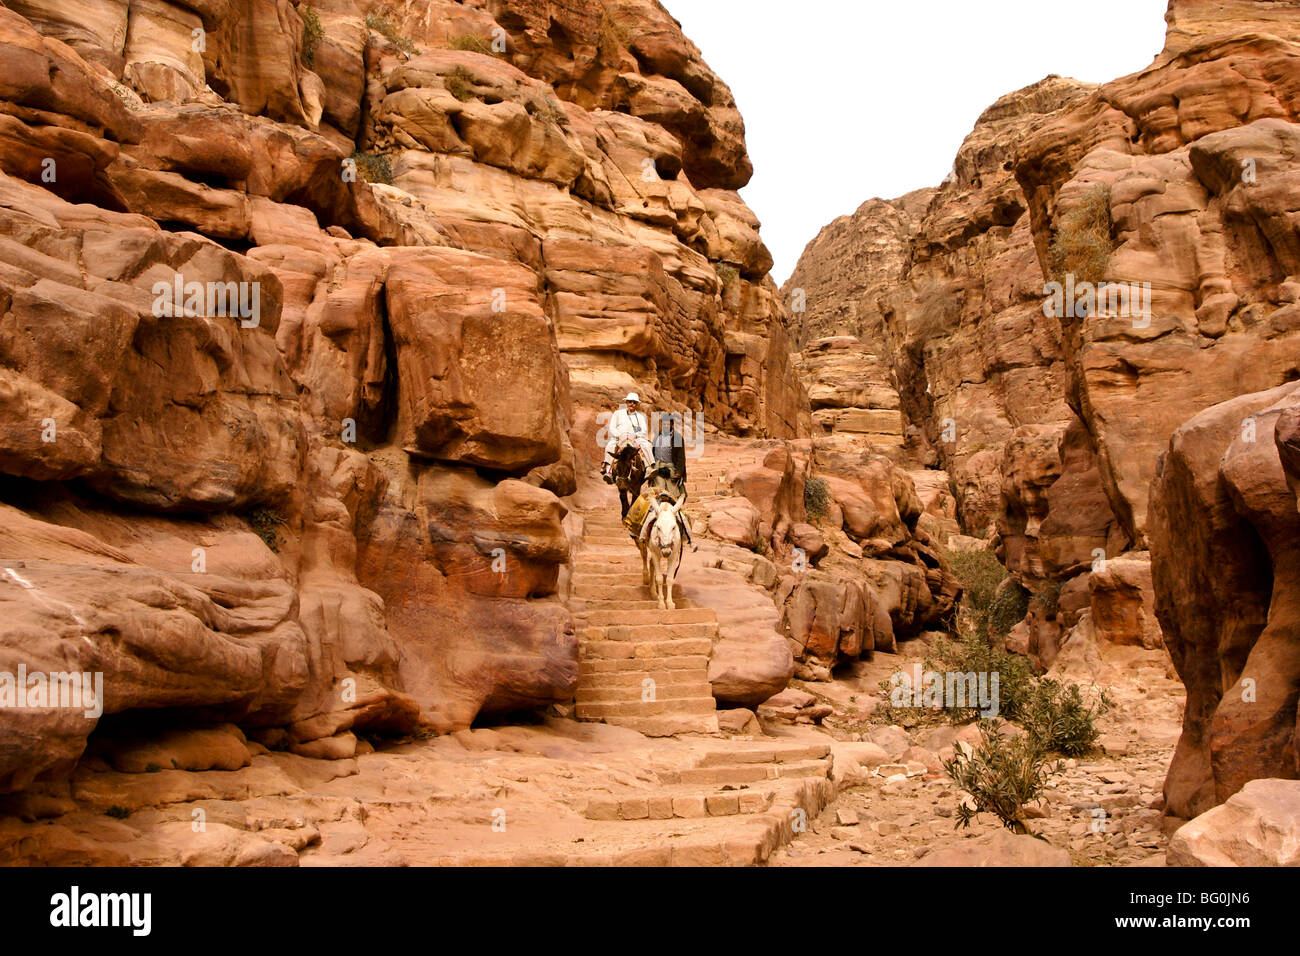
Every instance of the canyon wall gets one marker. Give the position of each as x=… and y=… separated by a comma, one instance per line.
x=306, y=311
x=1051, y=424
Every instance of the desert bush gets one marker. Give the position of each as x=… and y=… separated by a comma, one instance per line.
x=385, y=27
x=816, y=498
x=1002, y=776
x=971, y=654
x=1054, y=713
x=1081, y=243
x=118, y=812
x=979, y=573
x=993, y=602
x=312, y=33
x=1007, y=609
x=1049, y=599
x=728, y=275
x=374, y=167
x=1060, y=719
x=974, y=654
x=459, y=84
x=472, y=43
x=266, y=523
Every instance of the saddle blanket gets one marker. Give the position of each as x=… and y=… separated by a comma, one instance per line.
x=636, y=514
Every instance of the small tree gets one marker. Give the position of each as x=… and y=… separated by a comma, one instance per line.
x=374, y=167
x=385, y=27
x=1002, y=776
x=266, y=523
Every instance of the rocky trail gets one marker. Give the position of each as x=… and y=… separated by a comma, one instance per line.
x=311, y=322
x=639, y=666
x=651, y=772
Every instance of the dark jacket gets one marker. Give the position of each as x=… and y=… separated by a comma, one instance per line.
x=669, y=448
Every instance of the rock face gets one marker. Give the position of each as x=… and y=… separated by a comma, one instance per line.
x=852, y=392
x=1224, y=538
x=946, y=362
x=947, y=293
x=304, y=311
x=1051, y=420
x=838, y=580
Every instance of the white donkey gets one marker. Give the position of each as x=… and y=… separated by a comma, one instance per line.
x=661, y=552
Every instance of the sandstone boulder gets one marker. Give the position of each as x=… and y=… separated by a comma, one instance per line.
x=1224, y=527
x=750, y=661
x=830, y=619
x=1257, y=826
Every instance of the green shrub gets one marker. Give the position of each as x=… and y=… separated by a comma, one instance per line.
x=994, y=603
x=974, y=654
x=979, y=573
x=152, y=768
x=1007, y=609
x=118, y=812
x=265, y=523
x=385, y=27
x=459, y=83
x=1002, y=775
x=816, y=498
x=1081, y=243
x=472, y=43
x=908, y=716
x=312, y=33
x=374, y=167
x=728, y=275
x=1058, y=717
x=1049, y=599
x=1053, y=713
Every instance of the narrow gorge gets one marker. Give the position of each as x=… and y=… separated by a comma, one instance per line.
x=313, y=316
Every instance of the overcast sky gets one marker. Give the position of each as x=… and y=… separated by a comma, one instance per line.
x=844, y=100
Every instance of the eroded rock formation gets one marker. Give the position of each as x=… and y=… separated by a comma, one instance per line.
x=304, y=310
x=1050, y=423
x=1224, y=536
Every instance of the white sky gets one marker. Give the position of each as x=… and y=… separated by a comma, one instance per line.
x=844, y=100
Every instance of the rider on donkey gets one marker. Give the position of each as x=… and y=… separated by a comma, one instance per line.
x=667, y=479
x=627, y=426
x=670, y=449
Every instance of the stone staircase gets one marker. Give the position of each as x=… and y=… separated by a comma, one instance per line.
x=722, y=783
x=708, y=477
x=639, y=666
x=744, y=801
x=729, y=801
x=702, y=802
